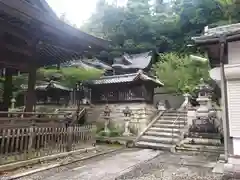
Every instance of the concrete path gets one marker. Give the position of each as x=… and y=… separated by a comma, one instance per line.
x=106, y=169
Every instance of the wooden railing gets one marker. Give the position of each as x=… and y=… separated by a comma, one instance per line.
x=18, y=144
x=41, y=119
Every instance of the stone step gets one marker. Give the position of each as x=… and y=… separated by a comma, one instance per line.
x=201, y=141
x=175, y=113
x=152, y=145
x=205, y=135
x=172, y=116
x=162, y=134
x=164, y=140
x=161, y=125
x=168, y=121
x=192, y=147
x=160, y=129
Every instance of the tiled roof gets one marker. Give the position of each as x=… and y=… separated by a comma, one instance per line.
x=88, y=64
x=134, y=61
x=97, y=64
x=126, y=78
x=216, y=32
x=44, y=85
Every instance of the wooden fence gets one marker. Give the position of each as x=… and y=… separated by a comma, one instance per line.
x=59, y=118
x=18, y=144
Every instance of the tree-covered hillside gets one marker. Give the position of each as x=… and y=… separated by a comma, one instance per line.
x=144, y=24
x=164, y=26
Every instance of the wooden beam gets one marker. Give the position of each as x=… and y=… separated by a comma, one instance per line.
x=14, y=60
x=14, y=65
x=15, y=31
x=20, y=8
x=27, y=36
x=15, y=49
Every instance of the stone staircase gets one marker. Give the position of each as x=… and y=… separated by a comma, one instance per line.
x=201, y=142
x=163, y=132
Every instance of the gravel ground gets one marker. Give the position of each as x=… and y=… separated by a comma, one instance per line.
x=64, y=160
x=105, y=167
x=165, y=166
x=169, y=166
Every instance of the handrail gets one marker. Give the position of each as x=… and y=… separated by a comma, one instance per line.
x=177, y=118
x=81, y=113
x=159, y=114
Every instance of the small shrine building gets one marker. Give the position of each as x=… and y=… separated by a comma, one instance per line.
x=134, y=87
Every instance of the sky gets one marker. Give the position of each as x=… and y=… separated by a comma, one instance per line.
x=76, y=11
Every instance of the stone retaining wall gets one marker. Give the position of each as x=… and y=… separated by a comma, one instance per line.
x=141, y=115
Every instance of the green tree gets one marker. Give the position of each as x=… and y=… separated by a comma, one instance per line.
x=68, y=76
x=169, y=25
x=179, y=73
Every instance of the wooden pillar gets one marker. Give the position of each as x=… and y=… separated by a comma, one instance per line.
x=31, y=96
x=7, y=94
x=225, y=119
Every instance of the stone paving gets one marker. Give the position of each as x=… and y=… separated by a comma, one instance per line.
x=169, y=166
x=136, y=164
x=106, y=169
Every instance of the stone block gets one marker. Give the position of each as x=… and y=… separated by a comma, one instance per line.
x=232, y=170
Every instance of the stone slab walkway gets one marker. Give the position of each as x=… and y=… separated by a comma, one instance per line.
x=106, y=169
x=169, y=166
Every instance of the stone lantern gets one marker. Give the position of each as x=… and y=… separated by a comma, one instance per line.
x=107, y=112
x=13, y=101
x=127, y=113
x=204, y=99
x=204, y=122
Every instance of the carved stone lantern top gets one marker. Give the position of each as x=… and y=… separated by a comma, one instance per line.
x=13, y=100
x=127, y=112
x=204, y=90
x=107, y=111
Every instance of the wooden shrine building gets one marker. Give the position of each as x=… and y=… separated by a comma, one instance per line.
x=135, y=87
x=131, y=63
x=32, y=36
x=51, y=93
x=125, y=64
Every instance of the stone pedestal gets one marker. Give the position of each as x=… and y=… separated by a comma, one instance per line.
x=126, y=129
x=106, y=129
x=13, y=101
x=186, y=104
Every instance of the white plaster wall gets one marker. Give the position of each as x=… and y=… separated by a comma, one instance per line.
x=233, y=52
x=236, y=146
